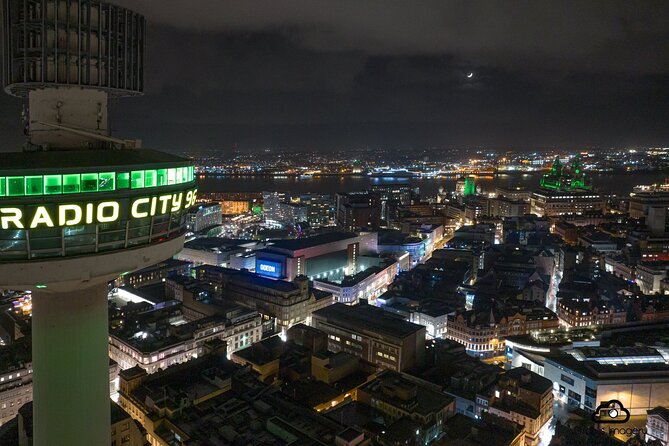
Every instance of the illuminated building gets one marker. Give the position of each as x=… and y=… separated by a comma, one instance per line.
x=650, y=203
x=203, y=217
x=649, y=276
x=234, y=207
x=154, y=342
x=465, y=186
x=524, y=397
x=420, y=244
x=581, y=312
x=392, y=196
x=79, y=207
x=517, y=193
x=585, y=377
x=270, y=207
x=641, y=201
x=551, y=203
x=289, y=303
x=217, y=251
x=506, y=207
x=331, y=255
x=565, y=179
x=367, y=284
x=657, y=425
x=154, y=273
x=565, y=191
x=483, y=332
x=372, y=334
x=282, y=209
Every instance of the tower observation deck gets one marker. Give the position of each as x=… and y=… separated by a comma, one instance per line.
x=78, y=206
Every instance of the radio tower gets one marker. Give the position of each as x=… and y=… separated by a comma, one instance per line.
x=79, y=207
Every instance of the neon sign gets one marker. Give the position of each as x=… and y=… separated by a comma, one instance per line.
x=269, y=269
x=94, y=212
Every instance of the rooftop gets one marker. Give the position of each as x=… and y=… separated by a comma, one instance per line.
x=310, y=242
x=76, y=159
x=368, y=318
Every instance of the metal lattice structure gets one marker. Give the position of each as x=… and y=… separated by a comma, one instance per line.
x=73, y=42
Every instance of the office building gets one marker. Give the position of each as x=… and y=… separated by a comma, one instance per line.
x=517, y=193
x=551, y=203
x=506, y=207
x=175, y=331
x=292, y=214
x=565, y=190
x=642, y=201
x=154, y=274
x=358, y=211
x=87, y=205
x=420, y=243
x=320, y=208
x=270, y=207
x=373, y=335
x=289, y=303
x=649, y=276
x=204, y=217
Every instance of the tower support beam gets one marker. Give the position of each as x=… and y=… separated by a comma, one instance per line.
x=71, y=367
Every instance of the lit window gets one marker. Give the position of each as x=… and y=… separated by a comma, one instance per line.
x=89, y=182
x=53, y=184
x=137, y=179
x=106, y=181
x=34, y=185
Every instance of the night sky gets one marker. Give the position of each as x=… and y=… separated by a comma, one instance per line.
x=327, y=74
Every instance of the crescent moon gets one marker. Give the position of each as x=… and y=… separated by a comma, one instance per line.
x=470, y=75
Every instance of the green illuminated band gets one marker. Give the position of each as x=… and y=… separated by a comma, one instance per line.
x=74, y=214
x=75, y=183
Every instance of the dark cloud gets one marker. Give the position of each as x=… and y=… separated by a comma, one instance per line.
x=340, y=73
x=598, y=35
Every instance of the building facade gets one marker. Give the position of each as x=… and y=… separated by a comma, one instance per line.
x=372, y=334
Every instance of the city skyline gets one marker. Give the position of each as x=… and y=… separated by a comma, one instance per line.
x=320, y=75
x=347, y=245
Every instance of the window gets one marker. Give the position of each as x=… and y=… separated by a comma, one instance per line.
x=15, y=186
x=137, y=179
x=123, y=180
x=89, y=182
x=3, y=186
x=106, y=181
x=53, y=184
x=161, y=175
x=567, y=379
x=150, y=178
x=575, y=396
x=34, y=185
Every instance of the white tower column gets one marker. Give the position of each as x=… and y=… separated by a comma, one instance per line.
x=71, y=367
